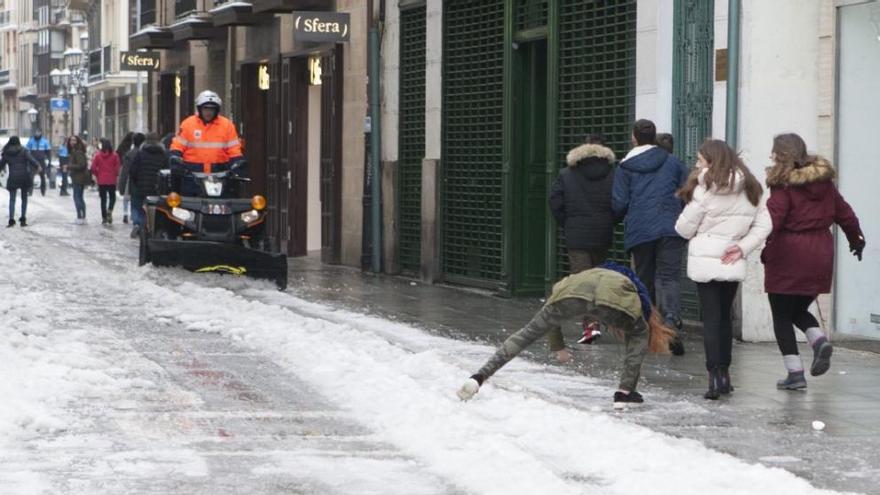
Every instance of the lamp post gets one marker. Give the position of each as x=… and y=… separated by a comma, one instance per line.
x=74, y=77
x=33, y=113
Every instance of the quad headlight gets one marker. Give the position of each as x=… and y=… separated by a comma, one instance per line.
x=182, y=214
x=250, y=216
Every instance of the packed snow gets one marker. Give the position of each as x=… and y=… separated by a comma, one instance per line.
x=516, y=436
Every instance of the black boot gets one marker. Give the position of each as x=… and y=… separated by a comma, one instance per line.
x=714, y=385
x=23, y=222
x=724, y=386
x=11, y=223
x=125, y=219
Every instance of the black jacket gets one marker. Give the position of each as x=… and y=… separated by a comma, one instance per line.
x=581, y=198
x=145, y=167
x=22, y=166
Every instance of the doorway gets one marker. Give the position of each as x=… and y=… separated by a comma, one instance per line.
x=253, y=105
x=529, y=163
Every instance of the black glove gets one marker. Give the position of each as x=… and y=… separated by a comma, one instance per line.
x=857, y=248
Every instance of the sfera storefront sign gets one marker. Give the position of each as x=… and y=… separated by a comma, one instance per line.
x=140, y=61
x=321, y=27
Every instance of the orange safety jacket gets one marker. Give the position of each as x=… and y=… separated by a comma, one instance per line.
x=216, y=142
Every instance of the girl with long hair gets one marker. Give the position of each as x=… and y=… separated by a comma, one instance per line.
x=799, y=257
x=725, y=221
x=611, y=294
x=80, y=178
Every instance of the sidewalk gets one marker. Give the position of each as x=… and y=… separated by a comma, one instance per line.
x=756, y=423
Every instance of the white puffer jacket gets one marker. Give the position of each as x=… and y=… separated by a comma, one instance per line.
x=715, y=220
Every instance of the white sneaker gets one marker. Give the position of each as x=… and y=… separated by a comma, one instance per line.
x=468, y=390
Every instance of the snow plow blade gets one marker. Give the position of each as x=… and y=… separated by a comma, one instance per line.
x=217, y=257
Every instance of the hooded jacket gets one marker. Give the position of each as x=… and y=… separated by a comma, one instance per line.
x=105, y=168
x=716, y=219
x=145, y=167
x=799, y=255
x=580, y=199
x=22, y=167
x=644, y=190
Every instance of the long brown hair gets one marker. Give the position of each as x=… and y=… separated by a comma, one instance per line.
x=790, y=152
x=78, y=144
x=724, y=165
x=659, y=335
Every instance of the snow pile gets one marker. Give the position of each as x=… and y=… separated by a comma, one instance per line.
x=502, y=442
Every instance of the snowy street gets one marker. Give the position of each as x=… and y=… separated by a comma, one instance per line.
x=125, y=379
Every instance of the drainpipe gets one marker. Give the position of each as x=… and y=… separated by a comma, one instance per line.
x=375, y=152
x=733, y=35
x=731, y=118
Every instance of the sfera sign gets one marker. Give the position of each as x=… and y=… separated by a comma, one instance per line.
x=140, y=61
x=321, y=27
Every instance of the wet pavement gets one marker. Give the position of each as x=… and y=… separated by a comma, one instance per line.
x=756, y=423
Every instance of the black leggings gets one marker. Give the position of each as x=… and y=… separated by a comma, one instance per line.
x=108, y=195
x=789, y=311
x=716, y=303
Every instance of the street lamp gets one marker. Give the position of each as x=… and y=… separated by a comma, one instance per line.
x=73, y=57
x=65, y=77
x=32, y=115
x=55, y=75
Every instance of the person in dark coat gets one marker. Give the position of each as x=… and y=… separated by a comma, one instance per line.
x=799, y=256
x=645, y=186
x=581, y=203
x=80, y=177
x=144, y=174
x=22, y=166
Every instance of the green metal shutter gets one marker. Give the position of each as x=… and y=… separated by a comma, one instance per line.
x=473, y=81
x=531, y=14
x=411, y=137
x=692, y=100
x=597, y=83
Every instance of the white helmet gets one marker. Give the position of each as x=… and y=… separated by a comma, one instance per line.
x=208, y=98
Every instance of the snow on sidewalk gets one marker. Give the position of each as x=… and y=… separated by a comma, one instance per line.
x=400, y=382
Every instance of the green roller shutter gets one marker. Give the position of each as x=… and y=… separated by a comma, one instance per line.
x=412, y=136
x=597, y=83
x=473, y=81
x=692, y=100
x=531, y=14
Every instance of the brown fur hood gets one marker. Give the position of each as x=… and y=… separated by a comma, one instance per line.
x=585, y=151
x=819, y=170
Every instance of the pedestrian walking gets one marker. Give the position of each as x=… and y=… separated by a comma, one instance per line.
x=144, y=174
x=105, y=168
x=610, y=293
x=799, y=256
x=725, y=221
x=125, y=146
x=39, y=148
x=22, y=166
x=580, y=200
x=80, y=177
x=645, y=185
x=63, y=162
x=124, y=183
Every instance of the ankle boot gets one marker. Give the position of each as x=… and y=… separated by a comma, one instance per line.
x=714, y=385
x=725, y=386
x=794, y=381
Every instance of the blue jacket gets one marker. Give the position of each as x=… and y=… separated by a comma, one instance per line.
x=644, y=191
x=39, y=148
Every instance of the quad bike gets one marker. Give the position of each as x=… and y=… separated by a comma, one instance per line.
x=212, y=231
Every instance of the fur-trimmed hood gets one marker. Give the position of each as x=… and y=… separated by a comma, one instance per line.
x=819, y=170
x=585, y=151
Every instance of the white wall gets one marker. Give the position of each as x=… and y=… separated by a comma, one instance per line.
x=719, y=90
x=390, y=61
x=778, y=93
x=654, y=31
x=434, y=78
x=313, y=209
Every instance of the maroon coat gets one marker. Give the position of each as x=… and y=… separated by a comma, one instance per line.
x=799, y=255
